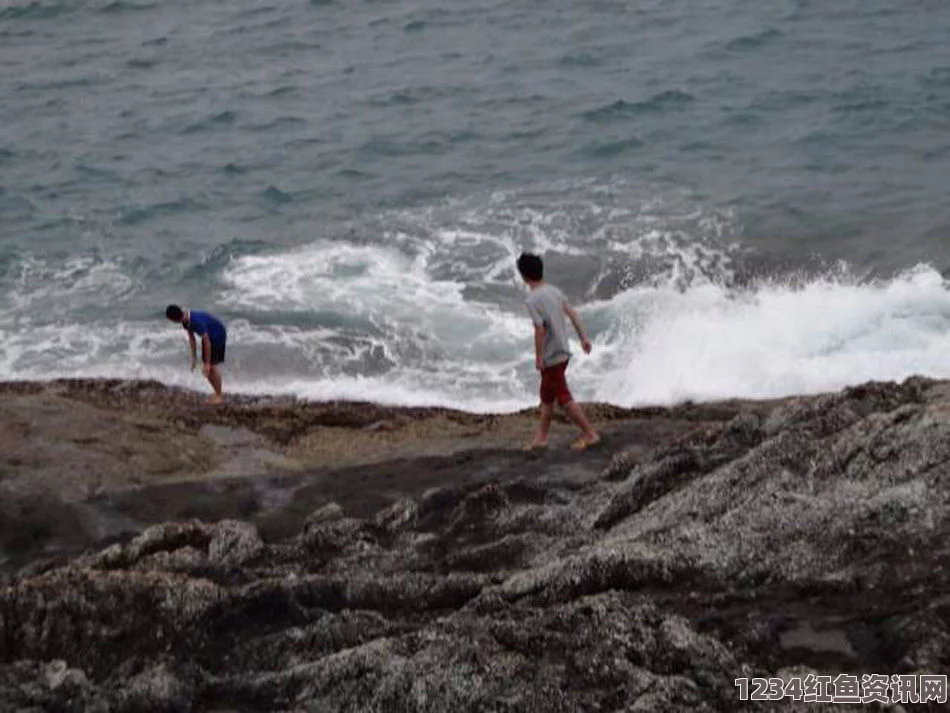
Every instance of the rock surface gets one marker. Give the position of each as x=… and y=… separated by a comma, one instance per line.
x=701, y=544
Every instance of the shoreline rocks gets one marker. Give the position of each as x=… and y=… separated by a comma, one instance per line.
x=707, y=543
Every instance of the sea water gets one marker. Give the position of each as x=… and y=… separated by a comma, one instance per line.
x=742, y=198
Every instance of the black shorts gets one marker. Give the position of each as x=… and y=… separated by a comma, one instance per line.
x=217, y=351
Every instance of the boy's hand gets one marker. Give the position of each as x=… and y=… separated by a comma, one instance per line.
x=193, y=363
x=538, y=364
x=586, y=346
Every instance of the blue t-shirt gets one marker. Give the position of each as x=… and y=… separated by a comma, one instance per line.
x=202, y=323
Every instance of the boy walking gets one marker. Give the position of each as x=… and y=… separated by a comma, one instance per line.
x=548, y=308
x=213, y=342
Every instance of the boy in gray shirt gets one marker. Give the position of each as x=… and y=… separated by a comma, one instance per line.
x=548, y=307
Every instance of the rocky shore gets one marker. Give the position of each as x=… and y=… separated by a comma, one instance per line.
x=160, y=555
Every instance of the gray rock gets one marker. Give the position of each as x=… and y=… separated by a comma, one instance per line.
x=156, y=689
x=234, y=543
x=400, y=515
x=58, y=675
x=322, y=515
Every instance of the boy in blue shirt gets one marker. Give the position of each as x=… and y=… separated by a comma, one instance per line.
x=214, y=338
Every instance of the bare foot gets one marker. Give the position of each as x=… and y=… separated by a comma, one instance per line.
x=583, y=443
x=216, y=400
x=535, y=446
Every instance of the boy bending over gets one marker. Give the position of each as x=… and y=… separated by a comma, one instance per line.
x=213, y=343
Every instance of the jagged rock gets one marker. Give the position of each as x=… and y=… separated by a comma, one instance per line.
x=185, y=559
x=322, y=515
x=52, y=686
x=58, y=674
x=398, y=516
x=620, y=466
x=156, y=690
x=650, y=482
x=234, y=543
x=167, y=538
x=333, y=537
x=83, y=614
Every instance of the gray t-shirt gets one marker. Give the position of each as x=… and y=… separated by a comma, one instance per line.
x=546, y=307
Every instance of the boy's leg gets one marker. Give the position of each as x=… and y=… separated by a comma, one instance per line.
x=214, y=378
x=579, y=418
x=548, y=394
x=544, y=424
x=213, y=374
x=574, y=410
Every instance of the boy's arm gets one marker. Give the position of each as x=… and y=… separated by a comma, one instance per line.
x=578, y=327
x=537, y=319
x=538, y=346
x=192, y=349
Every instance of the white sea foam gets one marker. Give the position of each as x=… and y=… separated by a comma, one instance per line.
x=82, y=281
x=652, y=346
x=666, y=346
x=673, y=240
x=427, y=311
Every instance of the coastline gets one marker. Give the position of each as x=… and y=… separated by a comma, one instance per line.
x=89, y=454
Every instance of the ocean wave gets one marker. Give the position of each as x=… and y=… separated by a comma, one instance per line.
x=34, y=10
x=620, y=109
x=652, y=345
x=211, y=123
x=137, y=215
x=142, y=62
x=580, y=59
x=631, y=237
x=936, y=77
x=747, y=43
x=15, y=207
x=424, y=306
x=774, y=339
x=52, y=290
x=275, y=196
x=123, y=6
x=216, y=259
x=279, y=123
x=282, y=90
x=387, y=147
x=612, y=149
x=233, y=169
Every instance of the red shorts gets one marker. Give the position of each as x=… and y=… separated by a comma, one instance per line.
x=554, y=385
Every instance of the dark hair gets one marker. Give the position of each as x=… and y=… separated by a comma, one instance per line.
x=174, y=313
x=531, y=267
